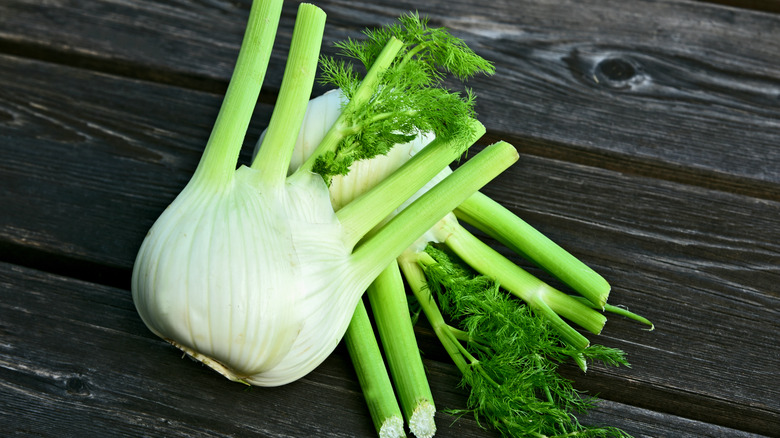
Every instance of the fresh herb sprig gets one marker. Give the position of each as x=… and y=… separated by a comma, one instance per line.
x=508, y=355
x=400, y=96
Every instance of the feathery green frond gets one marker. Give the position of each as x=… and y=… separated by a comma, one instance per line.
x=409, y=98
x=514, y=380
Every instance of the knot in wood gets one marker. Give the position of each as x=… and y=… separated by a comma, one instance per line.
x=616, y=69
x=618, y=73
x=76, y=386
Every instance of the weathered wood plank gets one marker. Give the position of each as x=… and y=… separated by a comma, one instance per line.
x=648, y=424
x=689, y=94
x=87, y=170
x=75, y=360
x=131, y=37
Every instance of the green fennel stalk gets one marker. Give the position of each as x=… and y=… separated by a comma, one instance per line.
x=427, y=209
x=542, y=298
x=218, y=162
x=517, y=235
x=373, y=207
x=299, y=73
x=387, y=296
x=372, y=375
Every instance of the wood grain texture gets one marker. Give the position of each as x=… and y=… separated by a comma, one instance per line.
x=90, y=137
x=602, y=84
x=701, y=264
x=76, y=360
x=648, y=134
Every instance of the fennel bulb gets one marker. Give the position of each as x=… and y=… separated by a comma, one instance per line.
x=203, y=262
x=258, y=281
x=249, y=270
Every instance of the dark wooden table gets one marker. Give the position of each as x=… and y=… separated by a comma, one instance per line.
x=649, y=134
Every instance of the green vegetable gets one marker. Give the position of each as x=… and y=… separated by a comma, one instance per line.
x=250, y=270
x=510, y=355
x=499, y=223
x=372, y=375
x=400, y=96
x=542, y=298
x=534, y=335
x=387, y=296
x=257, y=271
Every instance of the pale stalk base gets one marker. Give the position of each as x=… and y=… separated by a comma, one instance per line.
x=422, y=423
x=392, y=427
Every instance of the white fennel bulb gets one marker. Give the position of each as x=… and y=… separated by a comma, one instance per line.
x=252, y=282
x=259, y=281
x=250, y=270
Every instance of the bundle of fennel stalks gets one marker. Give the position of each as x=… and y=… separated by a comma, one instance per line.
x=259, y=271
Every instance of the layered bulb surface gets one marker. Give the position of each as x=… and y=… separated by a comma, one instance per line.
x=249, y=281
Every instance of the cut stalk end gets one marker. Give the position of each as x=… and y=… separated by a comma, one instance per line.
x=372, y=373
x=387, y=296
x=392, y=427
x=422, y=423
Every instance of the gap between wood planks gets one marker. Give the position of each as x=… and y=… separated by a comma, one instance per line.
x=757, y=5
